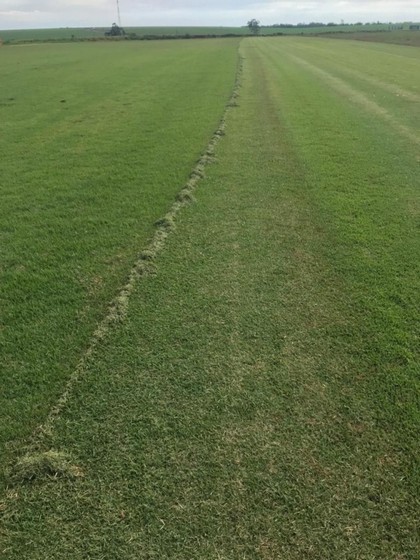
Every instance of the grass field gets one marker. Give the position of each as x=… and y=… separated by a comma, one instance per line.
x=260, y=398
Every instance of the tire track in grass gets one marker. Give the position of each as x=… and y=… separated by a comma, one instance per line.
x=35, y=455
x=355, y=96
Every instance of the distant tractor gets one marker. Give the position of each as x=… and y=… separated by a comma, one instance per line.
x=115, y=31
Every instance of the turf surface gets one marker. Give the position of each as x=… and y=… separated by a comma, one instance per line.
x=96, y=140
x=260, y=399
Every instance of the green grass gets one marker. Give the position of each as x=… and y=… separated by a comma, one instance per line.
x=96, y=140
x=261, y=398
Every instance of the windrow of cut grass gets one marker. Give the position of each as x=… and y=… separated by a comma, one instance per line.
x=96, y=141
x=261, y=398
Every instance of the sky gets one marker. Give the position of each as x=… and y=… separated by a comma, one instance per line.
x=19, y=14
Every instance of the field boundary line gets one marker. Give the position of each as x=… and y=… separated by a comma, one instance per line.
x=144, y=266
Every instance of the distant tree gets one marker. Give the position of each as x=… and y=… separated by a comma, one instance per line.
x=115, y=31
x=254, y=26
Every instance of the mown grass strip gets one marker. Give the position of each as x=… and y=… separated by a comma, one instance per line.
x=142, y=267
x=96, y=141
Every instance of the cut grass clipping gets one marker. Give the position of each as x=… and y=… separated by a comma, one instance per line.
x=44, y=465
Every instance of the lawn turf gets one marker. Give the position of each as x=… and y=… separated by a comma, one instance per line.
x=95, y=142
x=261, y=399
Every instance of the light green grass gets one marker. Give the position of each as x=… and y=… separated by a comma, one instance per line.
x=261, y=399
x=95, y=142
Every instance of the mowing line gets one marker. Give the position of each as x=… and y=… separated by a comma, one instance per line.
x=356, y=96
x=392, y=88
x=386, y=86
x=143, y=266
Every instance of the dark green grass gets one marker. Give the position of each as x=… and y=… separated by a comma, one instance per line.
x=326, y=29
x=261, y=400
x=95, y=142
x=400, y=37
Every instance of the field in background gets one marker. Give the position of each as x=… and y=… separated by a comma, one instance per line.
x=400, y=37
x=95, y=142
x=62, y=34
x=260, y=398
x=66, y=33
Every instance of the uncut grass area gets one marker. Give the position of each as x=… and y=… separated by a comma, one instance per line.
x=260, y=401
x=95, y=140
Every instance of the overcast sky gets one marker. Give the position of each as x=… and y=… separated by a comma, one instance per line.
x=85, y=13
